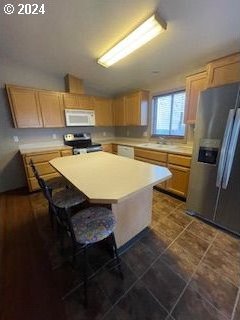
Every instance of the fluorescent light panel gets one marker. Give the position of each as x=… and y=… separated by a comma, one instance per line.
x=143, y=34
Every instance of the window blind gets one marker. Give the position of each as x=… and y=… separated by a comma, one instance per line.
x=168, y=114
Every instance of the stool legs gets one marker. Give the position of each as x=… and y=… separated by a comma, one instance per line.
x=116, y=255
x=85, y=276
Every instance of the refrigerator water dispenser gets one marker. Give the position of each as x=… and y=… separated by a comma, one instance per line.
x=208, y=155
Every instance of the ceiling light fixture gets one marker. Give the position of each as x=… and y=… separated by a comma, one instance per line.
x=141, y=35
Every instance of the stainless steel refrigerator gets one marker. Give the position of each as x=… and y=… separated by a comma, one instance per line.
x=214, y=186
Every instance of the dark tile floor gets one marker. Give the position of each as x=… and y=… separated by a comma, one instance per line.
x=181, y=268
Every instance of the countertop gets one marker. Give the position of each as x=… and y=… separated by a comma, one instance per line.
x=24, y=149
x=107, y=178
x=182, y=149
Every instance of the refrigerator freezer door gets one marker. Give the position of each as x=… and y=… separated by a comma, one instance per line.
x=228, y=209
x=232, y=149
x=212, y=115
x=224, y=149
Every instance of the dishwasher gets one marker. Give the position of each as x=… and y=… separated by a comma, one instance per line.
x=126, y=151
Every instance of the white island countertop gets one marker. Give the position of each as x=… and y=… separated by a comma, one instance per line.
x=108, y=178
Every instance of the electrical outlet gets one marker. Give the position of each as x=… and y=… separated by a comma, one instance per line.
x=54, y=136
x=104, y=134
x=15, y=139
x=145, y=134
x=128, y=133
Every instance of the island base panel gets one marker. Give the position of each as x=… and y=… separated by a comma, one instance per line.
x=133, y=215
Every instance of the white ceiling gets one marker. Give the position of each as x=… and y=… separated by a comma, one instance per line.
x=74, y=33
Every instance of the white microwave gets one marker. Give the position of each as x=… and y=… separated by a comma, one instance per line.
x=78, y=118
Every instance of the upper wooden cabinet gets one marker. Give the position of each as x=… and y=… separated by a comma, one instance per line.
x=52, y=109
x=78, y=101
x=224, y=70
x=194, y=85
x=103, y=111
x=25, y=107
x=136, y=108
x=218, y=72
x=119, y=111
x=33, y=108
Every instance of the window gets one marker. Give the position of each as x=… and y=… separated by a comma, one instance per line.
x=168, y=114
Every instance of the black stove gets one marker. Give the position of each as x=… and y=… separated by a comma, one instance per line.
x=81, y=143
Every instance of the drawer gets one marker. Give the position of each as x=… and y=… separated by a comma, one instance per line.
x=152, y=155
x=179, y=160
x=42, y=168
x=42, y=157
x=33, y=183
x=107, y=148
x=158, y=163
x=65, y=153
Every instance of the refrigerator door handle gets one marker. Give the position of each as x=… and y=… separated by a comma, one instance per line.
x=231, y=151
x=223, y=154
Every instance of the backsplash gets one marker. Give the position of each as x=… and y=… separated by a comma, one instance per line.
x=145, y=133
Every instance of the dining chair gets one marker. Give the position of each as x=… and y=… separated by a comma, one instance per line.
x=86, y=228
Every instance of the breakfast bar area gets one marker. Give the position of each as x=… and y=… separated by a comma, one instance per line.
x=125, y=184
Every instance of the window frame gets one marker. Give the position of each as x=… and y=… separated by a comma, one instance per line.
x=154, y=111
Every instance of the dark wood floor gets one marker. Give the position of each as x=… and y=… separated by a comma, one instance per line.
x=26, y=277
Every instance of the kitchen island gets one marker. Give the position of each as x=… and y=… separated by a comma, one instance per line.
x=125, y=184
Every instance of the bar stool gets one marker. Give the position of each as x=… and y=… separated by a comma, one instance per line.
x=63, y=195
x=53, y=183
x=86, y=228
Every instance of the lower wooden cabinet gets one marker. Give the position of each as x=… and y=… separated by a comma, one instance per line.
x=107, y=148
x=41, y=162
x=178, y=184
x=114, y=148
x=178, y=164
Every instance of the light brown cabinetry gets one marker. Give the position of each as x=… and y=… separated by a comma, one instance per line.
x=78, y=101
x=41, y=162
x=180, y=169
x=51, y=105
x=136, y=108
x=24, y=107
x=33, y=108
x=194, y=85
x=218, y=72
x=119, y=111
x=224, y=70
x=179, y=165
x=131, y=109
x=107, y=148
x=103, y=111
x=114, y=148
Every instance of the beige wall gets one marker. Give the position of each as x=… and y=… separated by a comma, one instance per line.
x=11, y=167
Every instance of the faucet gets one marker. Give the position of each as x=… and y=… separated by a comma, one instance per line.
x=162, y=140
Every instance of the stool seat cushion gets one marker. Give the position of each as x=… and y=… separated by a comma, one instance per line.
x=67, y=198
x=57, y=182
x=93, y=224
